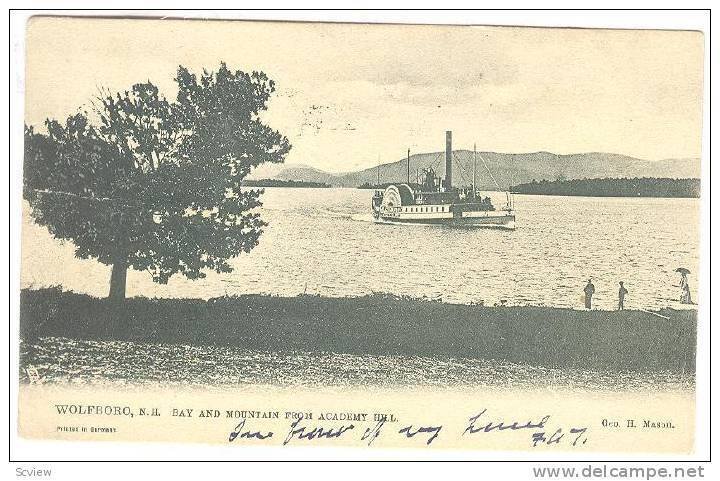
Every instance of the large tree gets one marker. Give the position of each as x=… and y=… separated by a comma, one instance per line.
x=155, y=185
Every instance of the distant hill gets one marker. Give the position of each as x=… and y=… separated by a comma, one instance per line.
x=294, y=172
x=507, y=169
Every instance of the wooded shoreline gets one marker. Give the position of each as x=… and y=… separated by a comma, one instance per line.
x=614, y=187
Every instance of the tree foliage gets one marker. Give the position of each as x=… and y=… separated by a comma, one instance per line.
x=156, y=184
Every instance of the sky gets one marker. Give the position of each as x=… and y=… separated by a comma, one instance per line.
x=350, y=94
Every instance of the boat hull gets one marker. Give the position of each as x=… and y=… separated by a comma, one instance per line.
x=502, y=221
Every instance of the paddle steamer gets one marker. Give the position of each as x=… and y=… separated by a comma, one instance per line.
x=434, y=201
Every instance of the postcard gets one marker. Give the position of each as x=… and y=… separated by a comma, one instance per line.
x=293, y=234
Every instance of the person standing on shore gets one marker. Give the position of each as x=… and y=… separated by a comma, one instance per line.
x=684, y=286
x=589, y=291
x=621, y=297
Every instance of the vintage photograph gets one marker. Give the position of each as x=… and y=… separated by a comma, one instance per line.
x=364, y=235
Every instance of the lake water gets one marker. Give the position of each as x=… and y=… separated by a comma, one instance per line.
x=323, y=241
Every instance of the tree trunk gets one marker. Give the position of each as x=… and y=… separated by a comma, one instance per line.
x=118, y=280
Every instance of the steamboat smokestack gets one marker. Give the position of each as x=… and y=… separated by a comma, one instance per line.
x=408, y=167
x=448, y=160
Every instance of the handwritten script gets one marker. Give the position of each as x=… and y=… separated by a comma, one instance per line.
x=539, y=431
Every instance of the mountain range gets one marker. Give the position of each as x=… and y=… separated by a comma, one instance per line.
x=493, y=170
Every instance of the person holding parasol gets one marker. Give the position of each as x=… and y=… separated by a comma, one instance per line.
x=684, y=285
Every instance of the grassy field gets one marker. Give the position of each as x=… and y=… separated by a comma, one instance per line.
x=376, y=324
